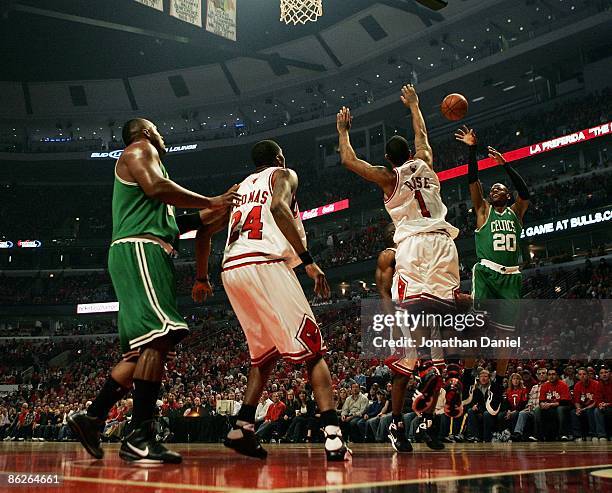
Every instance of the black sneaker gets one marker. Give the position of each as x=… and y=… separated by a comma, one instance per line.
x=141, y=447
x=335, y=447
x=397, y=436
x=422, y=432
x=248, y=444
x=87, y=430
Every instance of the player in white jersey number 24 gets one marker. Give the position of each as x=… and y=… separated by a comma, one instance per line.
x=266, y=240
x=427, y=264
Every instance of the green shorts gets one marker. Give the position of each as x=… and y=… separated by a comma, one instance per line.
x=144, y=279
x=494, y=293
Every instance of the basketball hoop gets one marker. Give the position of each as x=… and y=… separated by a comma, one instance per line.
x=300, y=11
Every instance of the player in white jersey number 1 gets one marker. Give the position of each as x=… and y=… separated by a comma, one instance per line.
x=427, y=265
x=266, y=240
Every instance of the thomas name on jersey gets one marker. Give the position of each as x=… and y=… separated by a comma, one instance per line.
x=256, y=196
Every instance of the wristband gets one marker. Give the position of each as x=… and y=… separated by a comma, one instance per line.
x=203, y=279
x=306, y=258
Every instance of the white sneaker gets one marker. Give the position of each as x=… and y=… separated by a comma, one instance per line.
x=603, y=439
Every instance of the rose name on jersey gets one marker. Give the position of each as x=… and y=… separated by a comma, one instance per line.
x=417, y=182
x=503, y=225
x=256, y=196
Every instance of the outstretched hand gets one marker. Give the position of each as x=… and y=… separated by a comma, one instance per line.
x=466, y=135
x=344, y=119
x=227, y=200
x=496, y=155
x=409, y=96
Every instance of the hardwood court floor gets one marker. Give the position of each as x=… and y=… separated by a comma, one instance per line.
x=465, y=468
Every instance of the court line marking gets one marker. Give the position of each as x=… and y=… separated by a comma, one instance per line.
x=604, y=473
x=326, y=487
x=339, y=487
x=148, y=484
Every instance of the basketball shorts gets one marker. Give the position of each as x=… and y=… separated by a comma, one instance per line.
x=493, y=292
x=273, y=312
x=144, y=279
x=426, y=266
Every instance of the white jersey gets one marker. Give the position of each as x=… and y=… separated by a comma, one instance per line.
x=253, y=236
x=416, y=206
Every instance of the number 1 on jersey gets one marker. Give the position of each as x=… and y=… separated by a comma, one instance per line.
x=421, y=201
x=252, y=224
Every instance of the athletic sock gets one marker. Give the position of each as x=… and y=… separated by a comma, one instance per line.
x=329, y=418
x=145, y=398
x=246, y=413
x=110, y=393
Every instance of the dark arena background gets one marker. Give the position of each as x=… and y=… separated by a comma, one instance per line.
x=218, y=76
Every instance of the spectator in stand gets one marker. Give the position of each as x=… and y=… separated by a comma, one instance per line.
x=587, y=420
x=341, y=400
x=514, y=402
x=301, y=426
x=292, y=405
x=271, y=427
x=605, y=406
x=555, y=400
x=481, y=424
x=374, y=410
x=262, y=409
x=352, y=411
x=531, y=413
x=569, y=376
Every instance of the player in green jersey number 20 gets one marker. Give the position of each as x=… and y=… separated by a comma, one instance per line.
x=496, y=275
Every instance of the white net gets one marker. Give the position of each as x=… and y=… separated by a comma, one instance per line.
x=300, y=11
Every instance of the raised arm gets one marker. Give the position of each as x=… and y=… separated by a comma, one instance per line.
x=285, y=186
x=422, y=149
x=140, y=164
x=468, y=137
x=522, y=201
x=380, y=175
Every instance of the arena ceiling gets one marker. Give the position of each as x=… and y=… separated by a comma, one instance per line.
x=79, y=40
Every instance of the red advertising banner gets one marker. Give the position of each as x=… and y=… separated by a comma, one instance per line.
x=305, y=215
x=325, y=209
x=533, y=150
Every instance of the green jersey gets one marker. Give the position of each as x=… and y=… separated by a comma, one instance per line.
x=498, y=238
x=135, y=214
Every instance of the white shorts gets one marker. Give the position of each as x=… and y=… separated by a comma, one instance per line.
x=273, y=312
x=426, y=266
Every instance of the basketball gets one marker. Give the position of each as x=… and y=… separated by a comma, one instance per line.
x=454, y=107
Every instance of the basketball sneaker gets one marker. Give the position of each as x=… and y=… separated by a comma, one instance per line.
x=453, y=405
x=335, y=447
x=87, y=429
x=141, y=447
x=247, y=444
x=397, y=436
x=429, y=385
x=422, y=432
